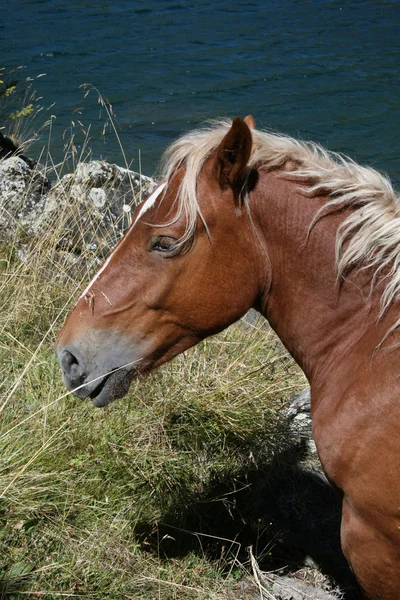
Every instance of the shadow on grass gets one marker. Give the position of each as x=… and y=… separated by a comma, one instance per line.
x=287, y=513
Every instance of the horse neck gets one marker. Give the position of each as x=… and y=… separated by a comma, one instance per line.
x=318, y=319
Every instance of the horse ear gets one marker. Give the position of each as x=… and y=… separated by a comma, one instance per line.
x=250, y=121
x=233, y=154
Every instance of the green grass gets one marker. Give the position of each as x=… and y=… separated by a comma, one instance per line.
x=95, y=503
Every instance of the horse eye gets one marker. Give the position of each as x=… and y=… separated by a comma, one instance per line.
x=164, y=244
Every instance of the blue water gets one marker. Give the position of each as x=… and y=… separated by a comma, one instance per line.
x=325, y=70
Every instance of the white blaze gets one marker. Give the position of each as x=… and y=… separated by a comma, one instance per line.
x=150, y=201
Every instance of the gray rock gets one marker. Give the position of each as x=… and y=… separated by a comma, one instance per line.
x=299, y=415
x=287, y=588
x=300, y=404
x=98, y=200
x=86, y=210
x=252, y=318
x=21, y=193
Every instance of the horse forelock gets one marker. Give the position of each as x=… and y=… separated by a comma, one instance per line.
x=370, y=234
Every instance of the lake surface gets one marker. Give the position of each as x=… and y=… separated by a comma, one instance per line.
x=324, y=70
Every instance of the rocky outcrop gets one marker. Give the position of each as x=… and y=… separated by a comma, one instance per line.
x=93, y=205
x=96, y=202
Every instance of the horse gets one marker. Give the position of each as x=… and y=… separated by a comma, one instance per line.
x=245, y=219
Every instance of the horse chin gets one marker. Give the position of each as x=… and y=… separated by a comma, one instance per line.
x=116, y=385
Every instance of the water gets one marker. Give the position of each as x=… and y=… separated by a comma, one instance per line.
x=325, y=70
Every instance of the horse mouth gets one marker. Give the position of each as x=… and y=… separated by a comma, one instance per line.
x=112, y=386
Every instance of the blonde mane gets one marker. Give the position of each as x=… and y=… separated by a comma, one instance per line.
x=368, y=237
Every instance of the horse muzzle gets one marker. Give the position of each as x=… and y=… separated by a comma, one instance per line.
x=102, y=371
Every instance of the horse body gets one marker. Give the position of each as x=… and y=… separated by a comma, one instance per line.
x=334, y=333
x=240, y=225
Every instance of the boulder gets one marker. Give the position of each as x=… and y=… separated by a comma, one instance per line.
x=86, y=210
x=93, y=205
x=21, y=192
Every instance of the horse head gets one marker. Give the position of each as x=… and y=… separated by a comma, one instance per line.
x=186, y=269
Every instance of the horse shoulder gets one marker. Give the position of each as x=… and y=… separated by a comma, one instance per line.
x=356, y=424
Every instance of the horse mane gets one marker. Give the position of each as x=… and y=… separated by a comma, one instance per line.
x=368, y=237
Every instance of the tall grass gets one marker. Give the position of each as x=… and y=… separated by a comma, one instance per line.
x=86, y=494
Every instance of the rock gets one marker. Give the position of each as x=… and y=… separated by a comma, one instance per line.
x=269, y=586
x=253, y=319
x=288, y=588
x=299, y=416
x=95, y=204
x=300, y=404
x=76, y=221
x=21, y=192
x=85, y=210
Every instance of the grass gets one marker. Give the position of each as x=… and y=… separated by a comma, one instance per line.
x=136, y=500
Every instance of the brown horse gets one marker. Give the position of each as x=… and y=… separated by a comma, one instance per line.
x=311, y=240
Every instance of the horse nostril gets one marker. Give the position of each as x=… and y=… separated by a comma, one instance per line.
x=71, y=367
x=68, y=359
